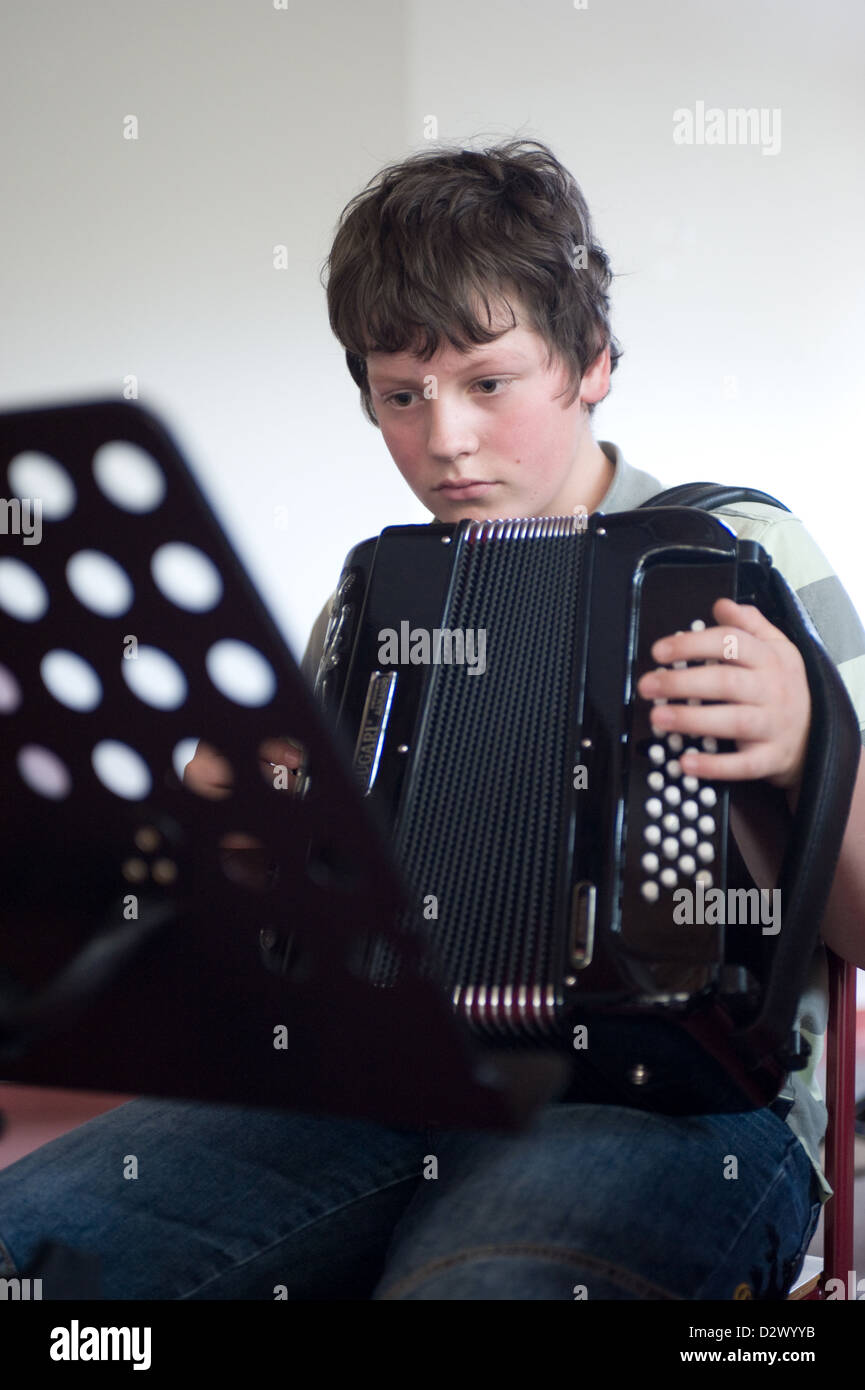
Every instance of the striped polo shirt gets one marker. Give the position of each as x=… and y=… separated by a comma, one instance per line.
x=809, y=573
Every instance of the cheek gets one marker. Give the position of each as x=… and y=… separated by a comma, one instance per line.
x=541, y=443
x=401, y=444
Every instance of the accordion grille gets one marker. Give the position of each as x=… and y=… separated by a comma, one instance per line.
x=482, y=822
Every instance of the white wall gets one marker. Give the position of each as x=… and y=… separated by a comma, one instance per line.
x=154, y=257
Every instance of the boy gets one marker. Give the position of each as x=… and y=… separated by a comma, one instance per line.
x=452, y=273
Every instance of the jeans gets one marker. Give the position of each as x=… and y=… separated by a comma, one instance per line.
x=191, y=1201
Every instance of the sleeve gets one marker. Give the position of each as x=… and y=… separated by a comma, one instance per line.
x=801, y=561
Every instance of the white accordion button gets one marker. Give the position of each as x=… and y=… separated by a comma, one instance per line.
x=698, y=625
x=656, y=781
x=707, y=796
x=690, y=810
x=670, y=822
x=687, y=864
x=650, y=863
x=652, y=835
x=689, y=837
x=705, y=853
x=674, y=769
x=710, y=745
x=672, y=796
x=690, y=784
x=669, y=878
x=670, y=848
x=707, y=825
x=676, y=743
x=650, y=892
x=703, y=876
x=657, y=754
x=654, y=807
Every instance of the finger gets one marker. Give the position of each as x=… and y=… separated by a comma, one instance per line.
x=723, y=643
x=722, y=681
x=209, y=774
x=751, y=762
x=275, y=750
x=745, y=722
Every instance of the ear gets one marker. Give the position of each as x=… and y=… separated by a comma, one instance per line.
x=595, y=384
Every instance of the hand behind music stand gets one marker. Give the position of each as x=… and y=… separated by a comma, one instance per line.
x=131, y=961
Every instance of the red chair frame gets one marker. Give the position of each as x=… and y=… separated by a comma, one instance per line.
x=840, y=1131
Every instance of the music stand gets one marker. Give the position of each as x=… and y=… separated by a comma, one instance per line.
x=131, y=960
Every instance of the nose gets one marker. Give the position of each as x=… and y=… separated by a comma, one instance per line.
x=450, y=432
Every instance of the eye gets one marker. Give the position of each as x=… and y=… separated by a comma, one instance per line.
x=399, y=399
x=493, y=381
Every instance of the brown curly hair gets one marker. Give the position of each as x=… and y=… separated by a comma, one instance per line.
x=430, y=239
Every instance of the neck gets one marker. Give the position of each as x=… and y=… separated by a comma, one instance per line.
x=592, y=475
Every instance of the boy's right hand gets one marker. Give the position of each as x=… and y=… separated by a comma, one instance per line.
x=210, y=774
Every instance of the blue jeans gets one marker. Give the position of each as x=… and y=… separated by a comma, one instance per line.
x=190, y=1201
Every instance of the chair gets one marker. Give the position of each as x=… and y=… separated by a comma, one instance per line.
x=840, y=1130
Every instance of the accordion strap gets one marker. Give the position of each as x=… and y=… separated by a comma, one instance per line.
x=817, y=829
x=710, y=496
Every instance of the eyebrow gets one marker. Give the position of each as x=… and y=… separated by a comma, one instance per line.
x=518, y=359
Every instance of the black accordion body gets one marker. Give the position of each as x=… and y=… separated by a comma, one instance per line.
x=482, y=677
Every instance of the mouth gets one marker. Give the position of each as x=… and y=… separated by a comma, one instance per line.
x=464, y=488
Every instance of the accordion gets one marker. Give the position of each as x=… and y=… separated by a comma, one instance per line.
x=574, y=888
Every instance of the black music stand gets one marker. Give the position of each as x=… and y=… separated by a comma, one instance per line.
x=131, y=961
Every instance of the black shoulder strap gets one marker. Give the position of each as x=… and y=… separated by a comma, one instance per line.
x=710, y=496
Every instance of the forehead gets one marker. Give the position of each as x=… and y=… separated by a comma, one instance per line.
x=517, y=347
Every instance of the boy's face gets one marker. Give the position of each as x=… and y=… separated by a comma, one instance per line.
x=479, y=434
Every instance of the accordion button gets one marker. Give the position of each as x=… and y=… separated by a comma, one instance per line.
x=670, y=822
x=670, y=849
x=698, y=625
x=690, y=810
x=707, y=796
x=705, y=853
x=669, y=878
x=707, y=825
x=650, y=892
x=680, y=665
x=674, y=769
x=690, y=784
x=652, y=835
x=656, y=781
x=654, y=807
x=650, y=863
x=676, y=743
x=687, y=864
x=657, y=754
x=672, y=796
x=689, y=837
x=703, y=876
x=710, y=745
